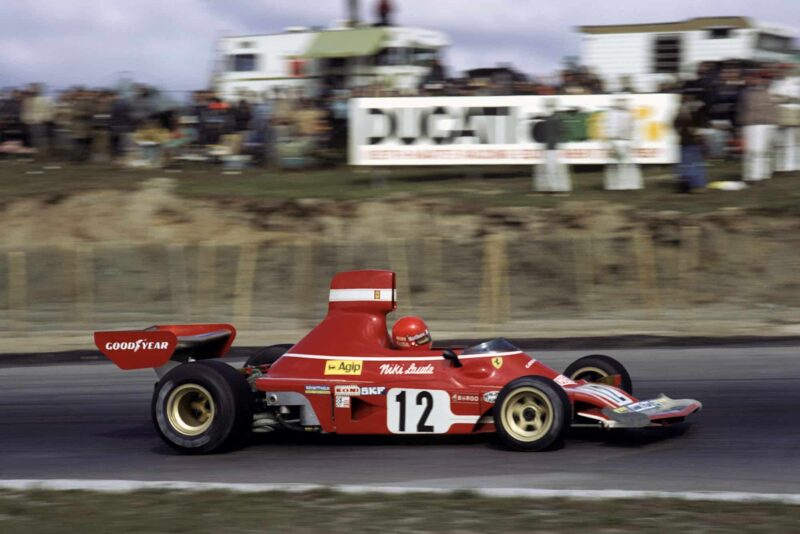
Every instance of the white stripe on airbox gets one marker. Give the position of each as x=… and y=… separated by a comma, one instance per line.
x=362, y=295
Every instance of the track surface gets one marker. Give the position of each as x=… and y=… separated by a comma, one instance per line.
x=92, y=421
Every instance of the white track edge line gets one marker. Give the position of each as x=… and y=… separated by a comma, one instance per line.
x=126, y=486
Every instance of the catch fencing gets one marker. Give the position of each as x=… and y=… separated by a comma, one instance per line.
x=463, y=286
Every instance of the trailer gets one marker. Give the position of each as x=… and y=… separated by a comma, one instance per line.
x=312, y=60
x=650, y=54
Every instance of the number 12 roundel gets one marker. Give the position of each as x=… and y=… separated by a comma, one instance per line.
x=421, y=411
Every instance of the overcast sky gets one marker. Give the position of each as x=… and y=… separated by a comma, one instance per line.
x=171, y=42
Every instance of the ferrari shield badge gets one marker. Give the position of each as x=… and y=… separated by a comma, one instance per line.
x=497, y=362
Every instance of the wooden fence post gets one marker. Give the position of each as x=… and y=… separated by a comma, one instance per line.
x=243, y=286
x=18, y=290
x=398, y=260
x=495, y=299
x=206, y=280
x=84, y=283
x=583, y=258
x=646, y=268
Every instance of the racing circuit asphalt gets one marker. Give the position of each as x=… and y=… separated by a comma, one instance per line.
x=91, y=421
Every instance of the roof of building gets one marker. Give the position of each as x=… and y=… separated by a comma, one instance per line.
x=699, y=23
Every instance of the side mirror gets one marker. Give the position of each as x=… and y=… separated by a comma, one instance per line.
x=452, y=357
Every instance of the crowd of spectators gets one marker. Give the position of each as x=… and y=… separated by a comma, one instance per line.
x=145, y=128
x=142, y=127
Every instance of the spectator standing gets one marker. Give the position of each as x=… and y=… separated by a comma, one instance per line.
x=121, y=126
x=81, y=123
x=101, y=127
x=757, y=116
x=551, y=176
x=623, y=174
x=689, y=124
x=241, y=116
x=786, y=90
x=36, y=115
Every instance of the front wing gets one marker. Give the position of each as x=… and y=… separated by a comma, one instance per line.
x=660, y=411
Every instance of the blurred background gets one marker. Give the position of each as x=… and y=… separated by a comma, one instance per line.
x=527, y=170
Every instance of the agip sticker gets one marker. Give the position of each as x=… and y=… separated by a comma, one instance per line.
x=344, y=367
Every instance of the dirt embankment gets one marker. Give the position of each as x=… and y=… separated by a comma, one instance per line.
x=155, y=214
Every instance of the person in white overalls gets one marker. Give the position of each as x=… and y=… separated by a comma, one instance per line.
x=552, y=175
x=622, y=173
x=786, y=91
x=757, y=116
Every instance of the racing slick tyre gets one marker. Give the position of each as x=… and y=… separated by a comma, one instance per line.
x=532, y=413
x=600, y=368
x=202, y=407
x=268, y=355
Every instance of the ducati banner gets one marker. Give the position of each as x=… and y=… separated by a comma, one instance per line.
x=507, y=130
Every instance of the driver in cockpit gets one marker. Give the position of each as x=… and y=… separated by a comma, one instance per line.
x=411, y=333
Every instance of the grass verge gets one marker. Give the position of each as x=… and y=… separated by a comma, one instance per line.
x=331, y=512
x=489, y=186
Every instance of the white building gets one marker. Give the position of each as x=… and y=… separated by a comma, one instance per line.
x=652, y=53
x=342, y=57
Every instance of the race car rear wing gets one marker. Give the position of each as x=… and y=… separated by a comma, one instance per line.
x=157, y=345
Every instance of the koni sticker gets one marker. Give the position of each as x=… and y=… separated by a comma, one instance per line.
x=344, y=367
x=347, y=391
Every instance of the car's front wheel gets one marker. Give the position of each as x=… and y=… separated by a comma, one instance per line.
x=602, y=369
x=202, y=407
x=532, y=413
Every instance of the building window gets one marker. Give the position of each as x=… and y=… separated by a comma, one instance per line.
x=392, y=57
x=719, y=33
x=242, y=62
x=773, y=43
x=667, y=54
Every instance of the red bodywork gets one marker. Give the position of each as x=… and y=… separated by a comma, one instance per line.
x=348, y=378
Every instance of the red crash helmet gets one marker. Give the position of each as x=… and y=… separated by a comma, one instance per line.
x=411, y=332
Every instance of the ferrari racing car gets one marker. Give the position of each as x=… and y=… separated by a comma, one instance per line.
x=349, y=376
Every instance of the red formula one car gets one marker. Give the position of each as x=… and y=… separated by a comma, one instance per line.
x=346, y=377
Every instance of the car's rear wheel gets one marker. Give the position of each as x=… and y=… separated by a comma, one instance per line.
x=202, y=407
x=600, y=369
x=531, y=414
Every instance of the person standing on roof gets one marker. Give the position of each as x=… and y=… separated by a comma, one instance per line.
x=384, y=11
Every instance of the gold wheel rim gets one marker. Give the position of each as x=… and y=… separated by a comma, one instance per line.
x=190, y=409
x=601, y=375
x=527, y=414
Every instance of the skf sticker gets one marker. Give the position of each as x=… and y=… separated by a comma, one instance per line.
x=497, y=362
x=342, y=402
x=317, y=390
x=373, y=390
x=344, y=367
x=377, y=295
